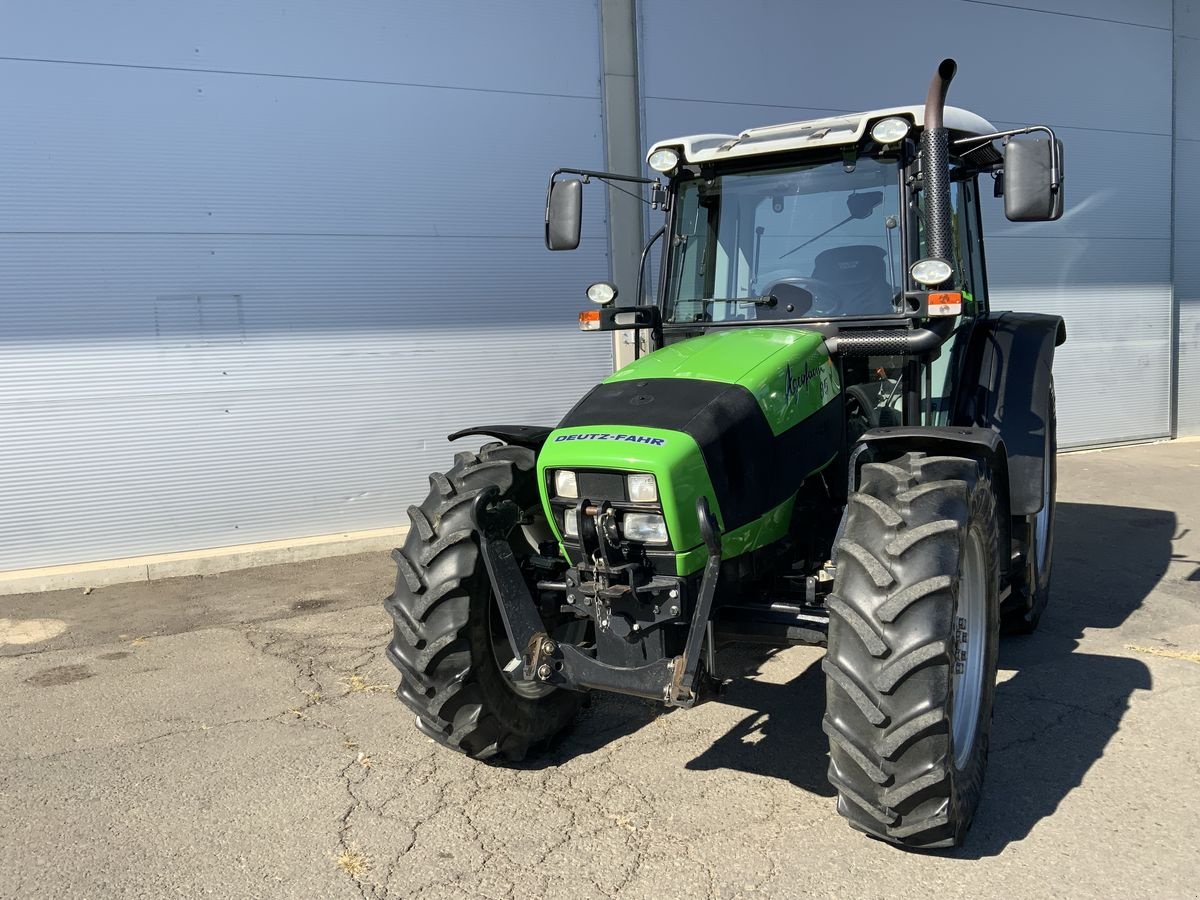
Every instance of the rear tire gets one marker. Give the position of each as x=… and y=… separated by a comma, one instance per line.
x=913, y=640
x=447, y=630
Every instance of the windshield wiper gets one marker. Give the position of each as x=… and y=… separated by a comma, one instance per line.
x=767, y=300
x=818, y=237
x=860, y=206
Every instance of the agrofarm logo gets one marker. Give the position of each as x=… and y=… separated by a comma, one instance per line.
x=794, y=384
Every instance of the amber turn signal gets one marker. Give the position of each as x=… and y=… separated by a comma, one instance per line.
x=945, y=303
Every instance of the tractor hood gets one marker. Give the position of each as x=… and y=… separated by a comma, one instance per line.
x=787, y=370
x=726, y=355
x=739, y=416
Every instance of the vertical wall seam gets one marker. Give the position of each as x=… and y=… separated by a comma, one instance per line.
x=1175, y=336
x=621, y=97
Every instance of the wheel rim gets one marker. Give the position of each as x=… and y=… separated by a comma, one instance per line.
x=966, y=680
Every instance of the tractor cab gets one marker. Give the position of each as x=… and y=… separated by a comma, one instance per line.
x=825, y=225
x=815, y=214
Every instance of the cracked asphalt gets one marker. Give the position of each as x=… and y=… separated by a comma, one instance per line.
x=237, y=736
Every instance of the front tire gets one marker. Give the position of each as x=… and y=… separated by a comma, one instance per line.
x=913, y=641
x=448, y=637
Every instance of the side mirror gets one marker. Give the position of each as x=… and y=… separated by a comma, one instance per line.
x=564, y=214
x=1033, y=180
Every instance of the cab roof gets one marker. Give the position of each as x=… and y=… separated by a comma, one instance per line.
x=812, y=133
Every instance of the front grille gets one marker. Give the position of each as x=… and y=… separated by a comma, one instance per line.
x=601, y=485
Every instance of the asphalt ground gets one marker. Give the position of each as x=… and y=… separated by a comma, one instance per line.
x=237, y=736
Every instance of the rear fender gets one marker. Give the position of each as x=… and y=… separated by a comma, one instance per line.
x=1005, y=387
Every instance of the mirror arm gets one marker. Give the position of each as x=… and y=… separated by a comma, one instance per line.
x=638, y=300
x=658, y=197
x=610, y=176
x=657, y=192
x=1055, y=162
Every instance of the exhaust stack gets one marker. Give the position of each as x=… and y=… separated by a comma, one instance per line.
x=939, y=237
x=935, y=165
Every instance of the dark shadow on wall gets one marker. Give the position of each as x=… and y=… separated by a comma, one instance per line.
x=1054, y=716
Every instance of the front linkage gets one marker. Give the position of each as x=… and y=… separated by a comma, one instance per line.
x=677, y=681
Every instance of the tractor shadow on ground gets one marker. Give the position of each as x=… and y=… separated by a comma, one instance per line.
x=1056, y=715
x=782, y=736
x=1056, y=709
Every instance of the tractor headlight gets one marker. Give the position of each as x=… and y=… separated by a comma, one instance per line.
x=602, y=292
x=571, y=523
x=889, y=131
x=649, y=528
x=931, y=271
x=642, y=488
x=565, y=484
x=663, y=160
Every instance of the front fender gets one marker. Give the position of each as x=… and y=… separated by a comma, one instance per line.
x=983, y=444
x=1005, y=387
x=529, y=436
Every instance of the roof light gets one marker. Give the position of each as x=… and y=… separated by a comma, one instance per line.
x=889, y=131
x=931, y=271
x=664, y=160
x=602, y=292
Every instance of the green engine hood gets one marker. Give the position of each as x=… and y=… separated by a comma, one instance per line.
x=739, y=416
x=788, y=370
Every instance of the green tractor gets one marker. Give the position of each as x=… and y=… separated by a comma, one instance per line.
x=830, y=439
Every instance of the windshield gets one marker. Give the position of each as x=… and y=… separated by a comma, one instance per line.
x=812, y=241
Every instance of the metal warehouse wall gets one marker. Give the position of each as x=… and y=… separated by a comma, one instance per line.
x=1098, y=71
x=256, y=260
x=1187, y=209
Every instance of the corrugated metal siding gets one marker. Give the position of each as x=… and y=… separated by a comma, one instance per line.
x=1187, y=212
x=1105, y=266
x=256, y=262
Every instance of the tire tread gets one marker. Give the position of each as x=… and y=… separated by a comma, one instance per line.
x=435, y=609
x=889, y=659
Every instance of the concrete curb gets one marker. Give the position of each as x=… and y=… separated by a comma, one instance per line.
x=197, y=562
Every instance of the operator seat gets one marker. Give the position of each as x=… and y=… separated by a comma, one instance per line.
x=858, y=273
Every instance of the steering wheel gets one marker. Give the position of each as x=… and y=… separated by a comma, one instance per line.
x=859, y=404
x=866, y=407
x=824, y=295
